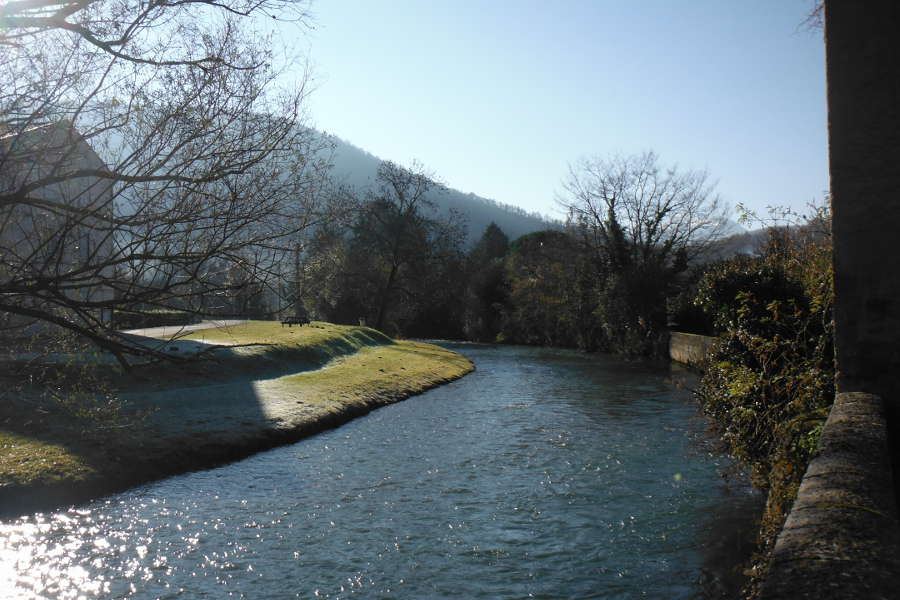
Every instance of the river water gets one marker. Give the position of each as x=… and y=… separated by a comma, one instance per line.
x=544, y=474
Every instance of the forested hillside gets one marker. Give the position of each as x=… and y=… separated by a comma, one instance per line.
x=355, y=167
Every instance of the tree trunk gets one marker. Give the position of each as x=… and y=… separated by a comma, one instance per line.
x=385, y=297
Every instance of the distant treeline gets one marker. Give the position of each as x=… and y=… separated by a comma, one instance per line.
x=604, y=281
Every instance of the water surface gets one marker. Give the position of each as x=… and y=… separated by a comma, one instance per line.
x=544, y=474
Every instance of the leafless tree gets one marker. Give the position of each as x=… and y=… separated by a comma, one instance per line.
x=631, y=209
x=640, y=225
x=815, y=19
x=400, y=238
x=147, y=148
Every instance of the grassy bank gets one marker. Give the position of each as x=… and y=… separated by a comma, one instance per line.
x=254, y=386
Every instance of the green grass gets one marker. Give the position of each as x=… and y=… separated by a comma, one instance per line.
x=27, y=461
x=376, y=375
x=365, y=368
x=321, y=339
x=255, y=350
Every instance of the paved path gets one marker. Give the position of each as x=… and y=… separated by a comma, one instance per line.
x=170, y=331
x=159, y=339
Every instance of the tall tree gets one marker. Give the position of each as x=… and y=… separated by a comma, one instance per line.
x=493, y=245
x=541, y=275
x=487, y=291
x=400, y=242
x=629, y=209
x=145, y=149
x=641, y=225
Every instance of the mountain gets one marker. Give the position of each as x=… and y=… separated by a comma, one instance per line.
x=355, y=167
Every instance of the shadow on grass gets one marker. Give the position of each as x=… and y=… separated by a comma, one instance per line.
x=197, y=414
x=199, y=362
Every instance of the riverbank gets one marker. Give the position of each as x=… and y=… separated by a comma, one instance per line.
x=257, y=385
x=830, y=523
x=549, y=473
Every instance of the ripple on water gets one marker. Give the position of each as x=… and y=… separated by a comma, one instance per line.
x=543, y=474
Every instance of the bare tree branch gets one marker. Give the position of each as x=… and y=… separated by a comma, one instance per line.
x=658, y=212
x=150, y=158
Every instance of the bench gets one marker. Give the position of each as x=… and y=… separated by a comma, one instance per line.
x=291, y=321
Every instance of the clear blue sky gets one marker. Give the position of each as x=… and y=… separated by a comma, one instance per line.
x=497, y=97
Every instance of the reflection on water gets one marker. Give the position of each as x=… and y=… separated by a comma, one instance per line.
x=544, y=474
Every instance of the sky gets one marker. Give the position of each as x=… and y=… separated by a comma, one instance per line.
x=498, y=97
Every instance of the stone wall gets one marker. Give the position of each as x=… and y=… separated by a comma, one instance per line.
x=841, y=538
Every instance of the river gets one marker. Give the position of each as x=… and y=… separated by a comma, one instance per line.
x=544, y=474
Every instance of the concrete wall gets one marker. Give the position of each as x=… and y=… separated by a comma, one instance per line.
x=841, y=538
x=688, y=348
x=863, y=63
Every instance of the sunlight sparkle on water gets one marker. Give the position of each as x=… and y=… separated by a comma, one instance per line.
x=63, y=556
x=573, y=495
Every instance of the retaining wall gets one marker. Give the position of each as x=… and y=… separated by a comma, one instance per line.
x=689, y=348
x=841, y=538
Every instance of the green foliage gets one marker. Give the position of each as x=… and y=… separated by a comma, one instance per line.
x=683, y=313
x=738, y=293
x=770, y=383
x=492, y=246
x=401, y=267
x=631, y=309
x=487, y=290
x=547, y=293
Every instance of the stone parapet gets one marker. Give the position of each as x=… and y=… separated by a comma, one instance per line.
x=841, y=538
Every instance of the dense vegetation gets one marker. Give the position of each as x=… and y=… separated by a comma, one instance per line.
x=540, y=289
x=770, y=383
x=601, y=282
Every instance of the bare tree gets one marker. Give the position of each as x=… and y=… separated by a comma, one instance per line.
x=815, y=18
x=400, y=240
x=147, y=148
x=630, y=209
x=641, y=225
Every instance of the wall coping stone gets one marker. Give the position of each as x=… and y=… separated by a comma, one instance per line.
x=842, y=537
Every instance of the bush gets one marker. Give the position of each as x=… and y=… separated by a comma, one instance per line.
x=770, y=383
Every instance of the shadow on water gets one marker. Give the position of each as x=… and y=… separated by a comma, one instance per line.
x=730, y=542
x=730, y=531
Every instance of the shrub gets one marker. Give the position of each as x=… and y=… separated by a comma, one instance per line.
x=770, y=383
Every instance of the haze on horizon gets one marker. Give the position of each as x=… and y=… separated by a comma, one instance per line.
x=497, y=98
